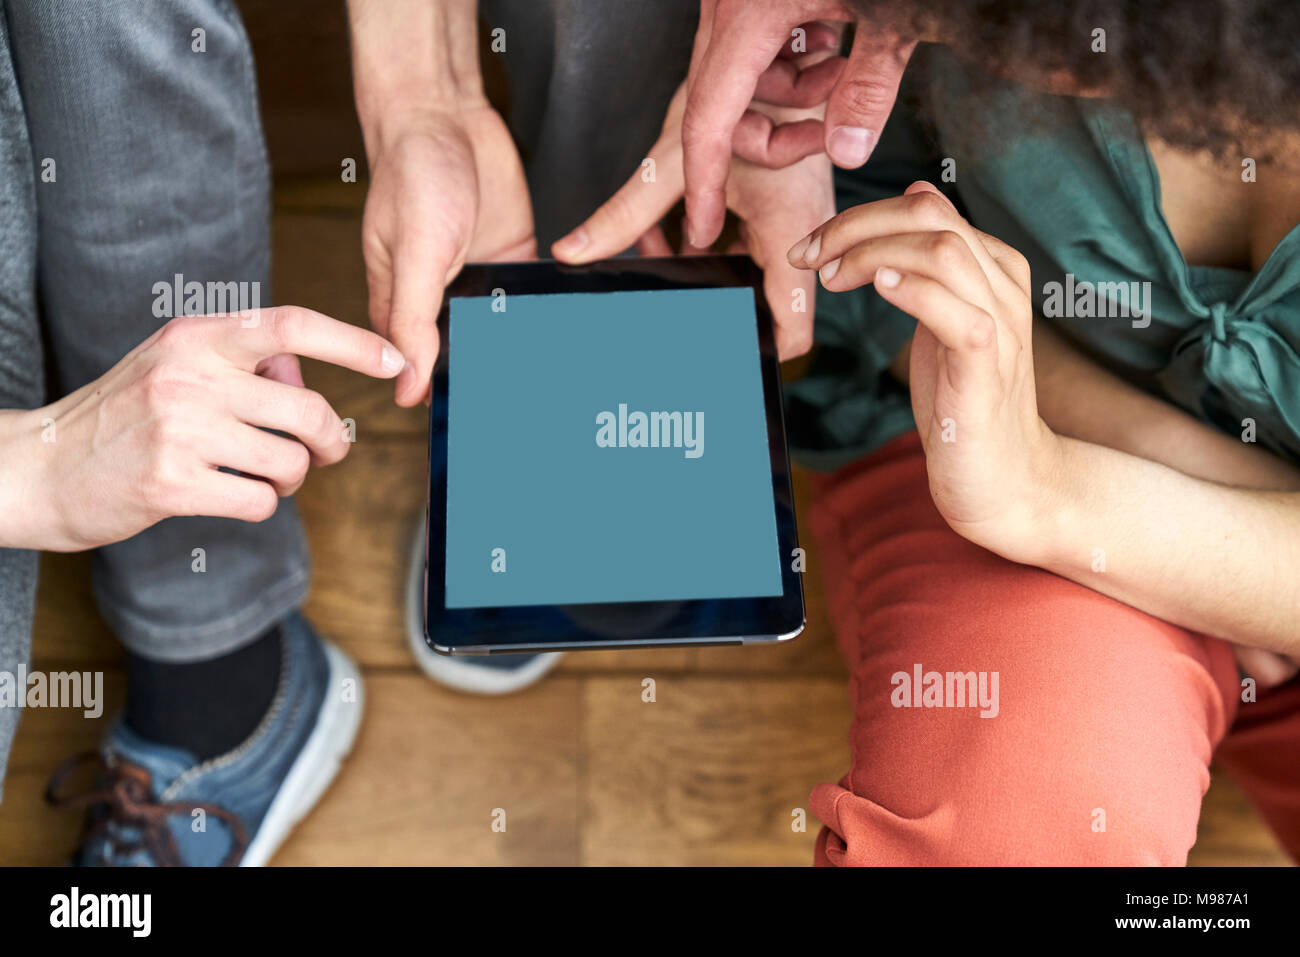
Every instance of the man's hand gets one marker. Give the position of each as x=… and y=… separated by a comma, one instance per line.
x=448, y=187
x=775, y=207
x=736, y=61
x=145, y=441
x=446, y=183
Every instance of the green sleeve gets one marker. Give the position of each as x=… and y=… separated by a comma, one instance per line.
x=847, y=404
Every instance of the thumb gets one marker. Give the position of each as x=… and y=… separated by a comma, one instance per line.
x=864, y=96
x=420, y=274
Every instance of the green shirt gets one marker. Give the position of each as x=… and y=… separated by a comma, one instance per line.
x=1070, y=184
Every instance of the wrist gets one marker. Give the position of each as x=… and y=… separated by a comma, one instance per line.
x=1035, y=530
x=412, y=58
x=1053, y=504
x=398, y=121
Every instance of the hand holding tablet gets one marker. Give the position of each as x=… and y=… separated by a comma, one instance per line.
x=573, y=500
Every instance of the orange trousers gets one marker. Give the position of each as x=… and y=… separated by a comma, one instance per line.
x=1077, y=730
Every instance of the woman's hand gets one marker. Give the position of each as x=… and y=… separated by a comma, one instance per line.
x=992, y=461
x=145, y=441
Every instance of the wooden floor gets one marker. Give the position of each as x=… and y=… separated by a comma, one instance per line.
x=587, y=773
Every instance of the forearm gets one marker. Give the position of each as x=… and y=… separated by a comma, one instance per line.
x=1215, y=559
x=1078, y=398
x=1184, y=523
x=1189, y=524
x=410, y=56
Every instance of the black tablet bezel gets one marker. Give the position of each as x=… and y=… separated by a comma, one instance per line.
x=529, y=628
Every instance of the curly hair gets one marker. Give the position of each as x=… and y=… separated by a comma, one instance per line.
x=1199, y=74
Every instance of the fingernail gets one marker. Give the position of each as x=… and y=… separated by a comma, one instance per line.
x=796, y=253
x=849, y=146
x=573, y=243
x=814, y=249
x=393, y=361
x=403, y=384
x=889, y=278
x=692, y=234
x=828, y=271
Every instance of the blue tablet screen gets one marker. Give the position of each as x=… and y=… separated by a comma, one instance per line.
x=607, y=447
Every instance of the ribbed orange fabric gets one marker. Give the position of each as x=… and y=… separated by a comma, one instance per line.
x=1098, y=748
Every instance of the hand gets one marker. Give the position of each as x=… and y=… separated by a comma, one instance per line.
x=144, y=441
x=446, y=188
x=992, y=461
x=775, y=208
x=735, y=62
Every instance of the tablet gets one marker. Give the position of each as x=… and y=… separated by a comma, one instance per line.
x=607, y=460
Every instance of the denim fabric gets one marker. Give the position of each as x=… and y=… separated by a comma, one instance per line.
x=21, y=383
x=161, y=169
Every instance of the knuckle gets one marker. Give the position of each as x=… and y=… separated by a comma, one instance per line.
x=700, y=130
x=837, y=233
x=162, y=384
x=947, y=249
x=282, y=324
x=262, y=502
x=299, y=461
x=692, y=122
x=866, y=96
x=159, y=385
x=1020, y=270
x=984, y=329
x=171, y=434
x=315, y=417
x=179, y=333
x=929, y=208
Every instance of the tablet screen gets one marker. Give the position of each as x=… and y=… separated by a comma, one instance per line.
x=607, y=447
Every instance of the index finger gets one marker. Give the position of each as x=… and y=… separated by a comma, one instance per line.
x=721, y=89
x=305, y=332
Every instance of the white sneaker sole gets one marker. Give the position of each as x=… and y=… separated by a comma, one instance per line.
x=317, y=764
x=459, y=673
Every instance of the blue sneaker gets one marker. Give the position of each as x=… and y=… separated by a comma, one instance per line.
x=480, y=674
x=157, y=805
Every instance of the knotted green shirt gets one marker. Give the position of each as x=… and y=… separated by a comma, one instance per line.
x=1069, y=183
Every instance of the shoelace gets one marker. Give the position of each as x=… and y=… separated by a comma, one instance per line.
x=125, y=796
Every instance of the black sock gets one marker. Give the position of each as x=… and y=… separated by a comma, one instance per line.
x=205, y=707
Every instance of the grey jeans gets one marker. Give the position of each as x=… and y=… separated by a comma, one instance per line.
x=129, y=156
x=144, y=159
x=159, y=168
x=21, y=381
